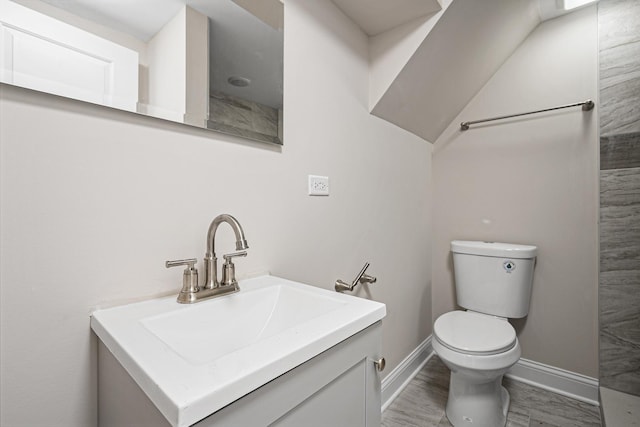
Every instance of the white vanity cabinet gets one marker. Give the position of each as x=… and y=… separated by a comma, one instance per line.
x=277, y=352
x=338, y=387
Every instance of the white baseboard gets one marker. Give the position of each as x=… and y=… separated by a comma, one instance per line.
x=402, y=374
x=566, y=383
x=556, y=380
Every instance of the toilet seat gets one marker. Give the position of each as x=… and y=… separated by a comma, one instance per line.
x=474, y=333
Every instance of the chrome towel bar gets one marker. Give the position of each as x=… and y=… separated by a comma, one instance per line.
x=586, y=106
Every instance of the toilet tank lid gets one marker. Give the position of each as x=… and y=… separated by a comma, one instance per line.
x=495, y=249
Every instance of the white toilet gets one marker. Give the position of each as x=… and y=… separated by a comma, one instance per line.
x=493, y=282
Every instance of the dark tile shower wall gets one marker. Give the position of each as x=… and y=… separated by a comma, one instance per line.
x=619, y=294
x=619, y=44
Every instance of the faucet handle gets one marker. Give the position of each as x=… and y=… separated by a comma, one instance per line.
x=228, y=257
x=190, y=263
x=189, y=279
x=229, y=270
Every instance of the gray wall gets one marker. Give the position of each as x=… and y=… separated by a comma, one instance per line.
x=619, y=290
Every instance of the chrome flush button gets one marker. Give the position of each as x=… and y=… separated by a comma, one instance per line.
x=509, y=266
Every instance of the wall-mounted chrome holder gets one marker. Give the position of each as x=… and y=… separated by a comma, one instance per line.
x=342, y=286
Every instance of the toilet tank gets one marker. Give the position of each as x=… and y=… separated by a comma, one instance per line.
x=494, y=278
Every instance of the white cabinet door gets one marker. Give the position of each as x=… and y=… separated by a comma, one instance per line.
x=341, y=403
x=338, y=388
x=42, y=53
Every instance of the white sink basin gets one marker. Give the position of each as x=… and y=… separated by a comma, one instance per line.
x=209, y=331
x=192, y=360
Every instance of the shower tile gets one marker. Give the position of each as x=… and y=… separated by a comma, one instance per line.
x=619, y=277
x=617, y=23
x=622, y=258
x=620, y=239
x=619, y=40
x=619, y=290
x=617, y=114
x=620, y=151
x=619, y=364
x=619, y=180
x=618, y=187
x=620, y=222
x=619, y=311
x=620, y=93
x=620, y=340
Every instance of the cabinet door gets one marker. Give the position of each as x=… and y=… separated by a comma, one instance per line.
x=42, y=53
x=339, y=387
x=341, y=403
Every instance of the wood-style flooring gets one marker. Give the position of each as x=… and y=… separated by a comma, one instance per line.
x=422, y=403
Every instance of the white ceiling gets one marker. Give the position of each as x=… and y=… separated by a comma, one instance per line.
x=378, y=16
x=141, y=19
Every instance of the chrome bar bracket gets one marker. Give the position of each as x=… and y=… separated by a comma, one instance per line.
x=342, y=286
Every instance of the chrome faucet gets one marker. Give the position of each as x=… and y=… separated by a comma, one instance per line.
x=210, y=260
x=212, y=287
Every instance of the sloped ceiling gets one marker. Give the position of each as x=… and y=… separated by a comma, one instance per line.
x=428, y=60
x=378, y=16
x=467, y=45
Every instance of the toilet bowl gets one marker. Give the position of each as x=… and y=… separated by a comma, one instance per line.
x=478, y=349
